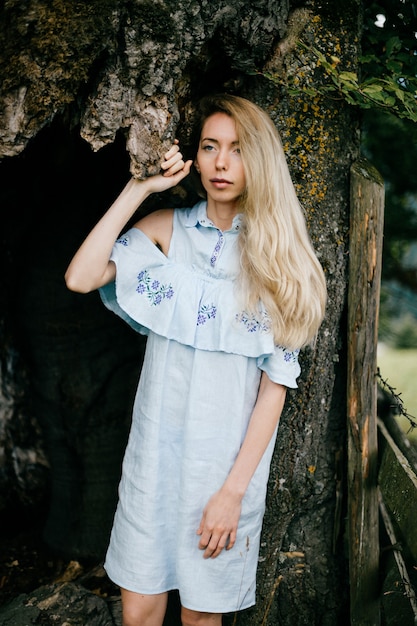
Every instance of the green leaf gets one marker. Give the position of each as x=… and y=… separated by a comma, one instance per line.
x=348, y=76
x=394, y=66
x=372, y=88
x=400, y=94
x=368, y=58
x=393, y=45
x=350, y=98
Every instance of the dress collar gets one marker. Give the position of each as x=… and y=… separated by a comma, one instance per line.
x=199, y=216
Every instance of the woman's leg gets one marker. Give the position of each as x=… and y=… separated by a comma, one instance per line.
x=196, y=618
x=143, y=610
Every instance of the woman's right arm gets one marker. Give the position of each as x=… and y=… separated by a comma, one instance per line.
x=91, y=267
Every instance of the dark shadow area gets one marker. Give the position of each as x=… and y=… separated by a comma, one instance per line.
x=69, y=367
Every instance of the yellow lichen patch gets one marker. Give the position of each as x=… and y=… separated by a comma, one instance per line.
x=308, y=151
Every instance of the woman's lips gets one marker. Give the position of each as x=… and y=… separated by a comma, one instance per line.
x=220, y=183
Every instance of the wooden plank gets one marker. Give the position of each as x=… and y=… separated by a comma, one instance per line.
x=401, y=440
x=401, y=566
x=398, y=485
x=365, y=260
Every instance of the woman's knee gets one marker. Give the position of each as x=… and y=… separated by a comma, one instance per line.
x=197, y=618
x=143, y=610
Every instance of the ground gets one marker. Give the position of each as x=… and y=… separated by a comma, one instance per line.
x=26, y=563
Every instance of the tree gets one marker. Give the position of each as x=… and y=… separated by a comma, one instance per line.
x=122, y=78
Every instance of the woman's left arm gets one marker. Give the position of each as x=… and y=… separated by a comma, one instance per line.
x=218, y=526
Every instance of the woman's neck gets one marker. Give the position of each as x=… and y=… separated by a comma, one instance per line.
x=222, y=214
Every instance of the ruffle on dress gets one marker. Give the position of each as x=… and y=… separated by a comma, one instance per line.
x=181, y=303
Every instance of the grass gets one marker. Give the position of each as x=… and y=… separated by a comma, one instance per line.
x=399, y=369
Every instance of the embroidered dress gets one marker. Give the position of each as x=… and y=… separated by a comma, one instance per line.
x=197, y=389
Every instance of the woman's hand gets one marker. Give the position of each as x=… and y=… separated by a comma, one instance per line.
x=90, y=267
x=218, y=526
x=173, y=170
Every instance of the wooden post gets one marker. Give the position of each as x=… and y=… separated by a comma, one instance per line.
x=365, y=260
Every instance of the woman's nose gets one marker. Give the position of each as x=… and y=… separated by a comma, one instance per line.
x=221, y=161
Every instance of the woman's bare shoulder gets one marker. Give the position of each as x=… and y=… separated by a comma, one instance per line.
x=157, y=226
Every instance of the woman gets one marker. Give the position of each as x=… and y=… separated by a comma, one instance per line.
x=227, y=292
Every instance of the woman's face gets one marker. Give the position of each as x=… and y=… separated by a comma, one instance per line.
x=219, y=161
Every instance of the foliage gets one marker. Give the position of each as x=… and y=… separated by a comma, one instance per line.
x=398, y=316
x=392, y=91
x=402, y=332
x=389, y=56
x=405, y=330
x=387, y=77
x=390, y=143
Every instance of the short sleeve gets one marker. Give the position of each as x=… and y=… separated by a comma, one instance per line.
x=282, y=366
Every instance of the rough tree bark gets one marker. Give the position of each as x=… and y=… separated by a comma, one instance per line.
x=89, y=91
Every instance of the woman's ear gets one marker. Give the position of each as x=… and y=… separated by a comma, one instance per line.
x=196, y=165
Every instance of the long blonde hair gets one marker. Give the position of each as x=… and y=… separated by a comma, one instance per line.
x=278, y=264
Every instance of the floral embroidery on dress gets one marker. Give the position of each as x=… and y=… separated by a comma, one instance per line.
x=252, y=322
x=217, y=248
x=206, y=312
x=290, y=356
x=153, y=289
x=123, y=240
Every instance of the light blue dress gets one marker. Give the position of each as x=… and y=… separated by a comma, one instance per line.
x=197, y=389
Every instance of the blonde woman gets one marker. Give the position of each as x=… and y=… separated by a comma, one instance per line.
x=228, y=292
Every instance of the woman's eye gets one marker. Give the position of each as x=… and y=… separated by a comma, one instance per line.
x=208, y=148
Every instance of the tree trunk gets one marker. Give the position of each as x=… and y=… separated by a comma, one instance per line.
x=89, y=91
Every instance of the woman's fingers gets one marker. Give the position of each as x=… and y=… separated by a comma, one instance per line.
x=213, y=545
x=179, y=172
x=232, y=540
x=172, y=167
x=172, y=151
x=213, y=542
x=173, y=161
x=219, y=523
